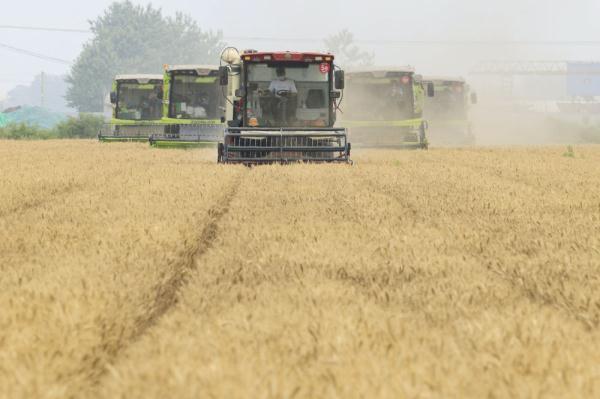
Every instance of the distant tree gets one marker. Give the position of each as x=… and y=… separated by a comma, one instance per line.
x=135, y=39
x=347, y=53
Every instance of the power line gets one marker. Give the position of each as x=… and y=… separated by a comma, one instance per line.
x=34, y=54
x=432, y=42
x=594, y=43
x=45, y=29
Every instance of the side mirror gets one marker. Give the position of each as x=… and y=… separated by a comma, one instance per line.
x=335, y=94
x=474, y=98
x=430, y=90
x=113, y=97
x=224, y=75
x=340, y=81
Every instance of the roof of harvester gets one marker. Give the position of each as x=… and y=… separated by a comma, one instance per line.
x=285, y=55
x=380, y=70
x=198, y=68
x=444, y=79
x=138, y=77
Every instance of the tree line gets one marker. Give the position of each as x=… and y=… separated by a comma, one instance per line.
x=131, y=38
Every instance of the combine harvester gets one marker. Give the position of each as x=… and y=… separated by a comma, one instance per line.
x=136, y=109
x=448, y=112
x=193, y=110
x=384, y=107
x=281, y=108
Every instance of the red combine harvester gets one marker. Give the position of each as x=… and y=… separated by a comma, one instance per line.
x=281, y=108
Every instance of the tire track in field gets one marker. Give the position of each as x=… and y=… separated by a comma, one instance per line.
x=166, y=293
x=522, y=282
x=529, y=288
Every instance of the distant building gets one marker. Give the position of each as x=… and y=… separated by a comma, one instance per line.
x=48, y=92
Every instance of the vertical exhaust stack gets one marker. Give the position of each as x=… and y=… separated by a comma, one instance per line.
x=281, y=108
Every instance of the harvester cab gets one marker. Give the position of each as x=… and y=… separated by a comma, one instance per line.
x=448, y=112
x=384, y=107
x=193, y=108
x=281, y=108
x=136, y=108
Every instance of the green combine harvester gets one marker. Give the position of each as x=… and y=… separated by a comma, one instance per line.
x=448, y=112
x=384, y=107
x=194, y=107
x=136, y=109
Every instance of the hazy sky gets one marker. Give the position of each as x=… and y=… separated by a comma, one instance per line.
x=315, y=19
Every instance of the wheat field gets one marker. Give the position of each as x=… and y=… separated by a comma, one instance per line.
x=131, y=272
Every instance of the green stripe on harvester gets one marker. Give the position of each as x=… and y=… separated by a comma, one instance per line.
x=117, y=139
x=133, y=122
x=175, y=121
x=402, y=123
x=206, y=79
x=182, y=144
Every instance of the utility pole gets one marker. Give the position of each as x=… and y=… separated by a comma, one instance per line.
x=43, y=89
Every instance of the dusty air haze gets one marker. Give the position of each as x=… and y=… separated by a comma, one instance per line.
x=466, y=268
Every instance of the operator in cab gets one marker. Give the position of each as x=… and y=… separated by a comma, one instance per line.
x=282, y=83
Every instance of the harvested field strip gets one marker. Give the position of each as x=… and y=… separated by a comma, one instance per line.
x=167, y=292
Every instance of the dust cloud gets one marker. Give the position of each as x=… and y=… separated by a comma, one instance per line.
x=471, y=38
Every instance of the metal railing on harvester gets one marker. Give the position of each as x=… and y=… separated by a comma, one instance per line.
x=163, y=135
x=114, y=133
x=284, y=145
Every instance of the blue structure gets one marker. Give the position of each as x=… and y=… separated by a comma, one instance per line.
x=583, y=79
